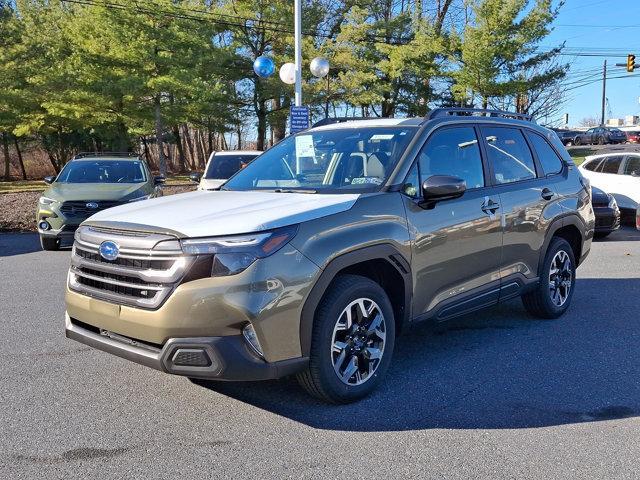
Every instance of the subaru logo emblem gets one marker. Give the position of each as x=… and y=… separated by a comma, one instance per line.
x=109, y=250
x=92, y=205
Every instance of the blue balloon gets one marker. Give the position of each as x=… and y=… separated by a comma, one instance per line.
x=264, y=67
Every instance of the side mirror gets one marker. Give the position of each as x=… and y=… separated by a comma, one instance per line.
x=442, y=187
x=49, y=180
x=159, y=180
x=195, y=177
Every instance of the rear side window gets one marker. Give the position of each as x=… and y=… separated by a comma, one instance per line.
x=548, y=157
x=509, y=154
x=633, y=166
x=612, y=164
x=453, y=151
x=594, y=165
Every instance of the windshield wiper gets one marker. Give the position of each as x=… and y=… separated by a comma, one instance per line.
x=293, y=190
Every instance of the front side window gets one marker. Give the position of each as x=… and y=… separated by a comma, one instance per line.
x=509, y=154
x=453, y=151
x=551, y=162
x=612, y=164
x=340, y=160
x=633, y=166
x=102, y=171
x=222, y=167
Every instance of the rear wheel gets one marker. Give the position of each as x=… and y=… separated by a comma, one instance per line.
x=49, y=243
x=352, y=341
x=577, y=141
x=601, y=141
x=552, y=296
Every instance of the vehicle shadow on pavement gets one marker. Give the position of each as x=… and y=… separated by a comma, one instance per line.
x=18, y=244
x=495, y=369
x=625, y=234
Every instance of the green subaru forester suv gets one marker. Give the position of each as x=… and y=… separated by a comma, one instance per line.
x=87, y=184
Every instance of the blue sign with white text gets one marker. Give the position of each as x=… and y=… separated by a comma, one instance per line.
x=299, y=119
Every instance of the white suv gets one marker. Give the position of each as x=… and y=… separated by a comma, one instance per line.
x=223, y=165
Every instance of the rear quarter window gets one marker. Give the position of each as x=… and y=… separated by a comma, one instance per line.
x=549, y=159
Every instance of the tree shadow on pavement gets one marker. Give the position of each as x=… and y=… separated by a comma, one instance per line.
x=498, y=368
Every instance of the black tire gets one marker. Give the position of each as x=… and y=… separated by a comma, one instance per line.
x=600, y=235
x=577, y=141
x=539, y=302
x=50, y=243
x=601, y=141
x=320, y=379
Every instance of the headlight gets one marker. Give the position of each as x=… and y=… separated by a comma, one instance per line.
x=612, y=202
x=140, y=198
x=233, y=254
x=46, y=201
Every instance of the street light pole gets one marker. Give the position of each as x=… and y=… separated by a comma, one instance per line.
x=604, y=92
x=298, y=50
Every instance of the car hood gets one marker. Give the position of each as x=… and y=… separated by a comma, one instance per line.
x=64, y=192
x=213, y=213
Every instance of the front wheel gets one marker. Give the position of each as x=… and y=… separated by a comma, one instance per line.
x=352, y=341
x=577, y=141
x=552, y=296
x=50, y=243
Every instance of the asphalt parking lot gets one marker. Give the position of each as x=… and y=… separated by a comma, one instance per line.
x=493, y=395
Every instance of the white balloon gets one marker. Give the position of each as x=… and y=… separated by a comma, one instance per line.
x=319, y=67
x=288, y=73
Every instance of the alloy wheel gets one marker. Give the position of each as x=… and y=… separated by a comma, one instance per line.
x=358, y=341
x=560, y=278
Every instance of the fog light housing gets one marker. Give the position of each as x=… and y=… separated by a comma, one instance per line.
x=250, y=336
x=44, y=225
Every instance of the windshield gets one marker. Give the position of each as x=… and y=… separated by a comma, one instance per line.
x=343, y=159
x=222, y=167
x=102, y=171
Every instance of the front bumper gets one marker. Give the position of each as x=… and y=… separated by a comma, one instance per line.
x=607, y=219
x=215, y=358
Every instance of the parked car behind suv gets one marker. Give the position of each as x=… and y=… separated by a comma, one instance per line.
x=619, y=175
x=88, y=184
x=601, y=136
x=312, y=259
x=567, y=137
x=221, y=166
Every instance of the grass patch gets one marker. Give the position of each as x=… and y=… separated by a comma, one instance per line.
x=18, y=186
x=22, y=186
x=578, y=154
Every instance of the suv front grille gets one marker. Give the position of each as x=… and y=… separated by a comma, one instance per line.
x=141, y=264
x=80, y=207
x=143, y=275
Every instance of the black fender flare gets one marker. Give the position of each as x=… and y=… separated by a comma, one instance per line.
x=384, y=251
x=557, y=224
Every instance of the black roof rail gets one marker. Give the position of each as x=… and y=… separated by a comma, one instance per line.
x=331, y=121
x=105, y=154
x=469, y=112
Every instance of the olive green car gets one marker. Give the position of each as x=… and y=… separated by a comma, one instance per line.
x=312, y=259
x=87, y=185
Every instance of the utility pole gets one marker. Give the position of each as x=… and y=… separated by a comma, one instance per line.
x=604, y=91
x=298, y=50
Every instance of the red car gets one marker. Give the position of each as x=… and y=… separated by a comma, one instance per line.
x=633, y=137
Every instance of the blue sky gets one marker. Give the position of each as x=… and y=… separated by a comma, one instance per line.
x=615, y=31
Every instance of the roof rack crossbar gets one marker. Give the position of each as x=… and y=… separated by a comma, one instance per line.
x=443, y=112
x=105, y=154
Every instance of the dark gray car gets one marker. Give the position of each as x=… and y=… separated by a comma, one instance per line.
x=600, y=136
x=312, y=259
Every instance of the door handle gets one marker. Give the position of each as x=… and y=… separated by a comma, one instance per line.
x=489, y=206
x=546, y=193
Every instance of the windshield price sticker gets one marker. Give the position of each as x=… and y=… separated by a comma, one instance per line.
x=304, y=147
